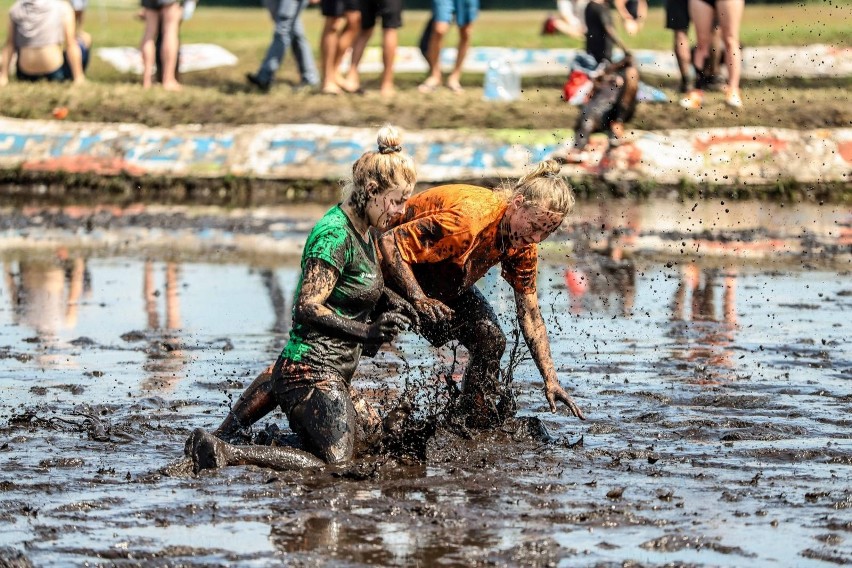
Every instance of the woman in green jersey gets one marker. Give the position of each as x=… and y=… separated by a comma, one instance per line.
x=340, y=285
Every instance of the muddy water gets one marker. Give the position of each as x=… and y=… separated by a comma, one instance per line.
x=717, y=389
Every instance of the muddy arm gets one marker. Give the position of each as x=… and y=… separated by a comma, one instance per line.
x=535, y=334
x=72, y=49
x=610, y=31
x=317, y=284
x=399, y=273
x=394, y=302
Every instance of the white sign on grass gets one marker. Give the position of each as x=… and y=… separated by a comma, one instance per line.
x=193, y=57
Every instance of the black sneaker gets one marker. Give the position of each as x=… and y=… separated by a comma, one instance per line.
x=716, y=83
x=255, y=80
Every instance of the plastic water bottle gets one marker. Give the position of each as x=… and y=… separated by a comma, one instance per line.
x=188, y=9
x=502, y=82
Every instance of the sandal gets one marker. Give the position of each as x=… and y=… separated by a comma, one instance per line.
x=427, y=87
x=455, y=87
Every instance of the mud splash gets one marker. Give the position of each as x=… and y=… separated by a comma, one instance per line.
x=717, y=393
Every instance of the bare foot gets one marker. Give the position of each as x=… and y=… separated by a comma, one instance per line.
x=172, y=86
x=349, y=85
x=206, y=451
x=387, y=92
x=429, y=85
x=455, y=86
x=331, y=89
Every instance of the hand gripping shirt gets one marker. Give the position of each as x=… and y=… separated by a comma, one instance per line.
x=358, y=288
x=448, y=234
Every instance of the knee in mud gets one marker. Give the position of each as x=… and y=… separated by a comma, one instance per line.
x=490, y=341
x=477, y=409
x=336, y=457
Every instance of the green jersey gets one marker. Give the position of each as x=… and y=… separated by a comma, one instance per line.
x=358, y=288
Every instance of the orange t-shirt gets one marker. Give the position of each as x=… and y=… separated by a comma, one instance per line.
x=448, y=234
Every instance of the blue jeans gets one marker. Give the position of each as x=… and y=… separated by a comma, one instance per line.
x=63, y=73
x=289, y=31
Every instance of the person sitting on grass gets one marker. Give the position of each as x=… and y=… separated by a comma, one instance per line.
x=611, y=103
x=38, y=30
x=340, y=286
x=567, y=20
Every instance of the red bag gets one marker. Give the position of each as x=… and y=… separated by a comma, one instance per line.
x=575, y=84
x=549, y=27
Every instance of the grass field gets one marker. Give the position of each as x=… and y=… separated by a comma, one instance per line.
x=222, y=96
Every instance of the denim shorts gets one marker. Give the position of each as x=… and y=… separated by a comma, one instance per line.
x=465, y=11
x=61, y=74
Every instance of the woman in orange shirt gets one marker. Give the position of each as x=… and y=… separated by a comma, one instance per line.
x=447, y=238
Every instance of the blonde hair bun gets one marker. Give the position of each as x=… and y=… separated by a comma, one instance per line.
x=389, y=140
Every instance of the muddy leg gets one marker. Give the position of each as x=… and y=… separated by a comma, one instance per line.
x=368, y=423
x=209, y=452
x=485, y=342
x=256, y=402
x=281, y=458
x=324, y=418
x=206, y=451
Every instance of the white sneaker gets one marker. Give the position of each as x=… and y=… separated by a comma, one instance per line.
x=733, y=99
x=692, y=100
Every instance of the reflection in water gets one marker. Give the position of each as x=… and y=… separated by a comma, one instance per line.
x=603, y=280
x=384, y=543
x=281, y=324
x=703, y=338
x=316, y=533
x=395, y=540
x=479, y=512
x=598, y=283
x=45, y=296
x=333, y=535
x=166, y=358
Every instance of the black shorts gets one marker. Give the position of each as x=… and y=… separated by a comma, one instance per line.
x=471, y=311
x=157, y=4
x=319, y=410
x=389, y=10
x=677, y=14
x=337, y=8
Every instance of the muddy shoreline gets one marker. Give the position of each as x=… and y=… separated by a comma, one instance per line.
x=24, y=188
